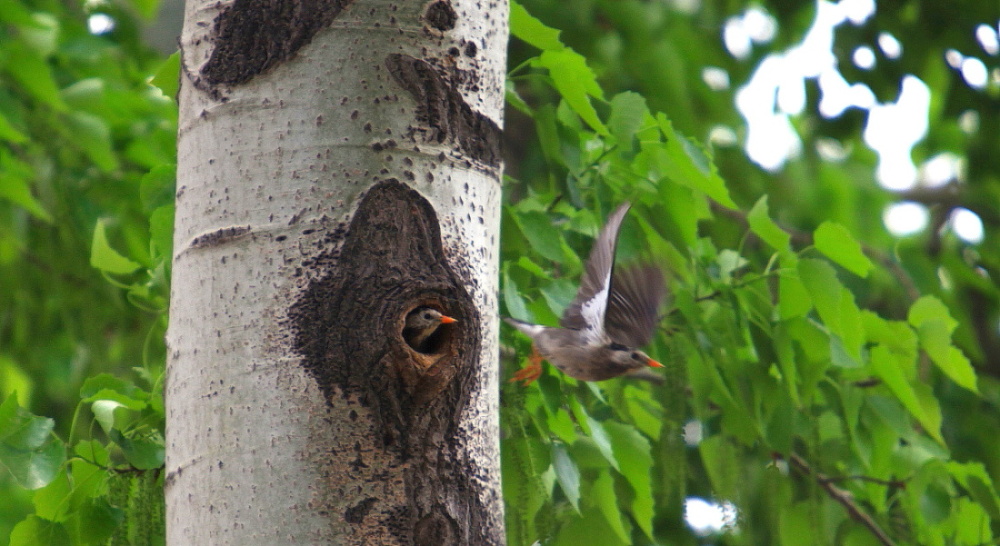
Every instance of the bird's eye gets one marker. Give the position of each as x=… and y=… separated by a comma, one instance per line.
x=635, y=356
x=427, y=316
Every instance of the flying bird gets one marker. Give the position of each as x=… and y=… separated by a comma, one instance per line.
x=615, y=312
x=421, y=324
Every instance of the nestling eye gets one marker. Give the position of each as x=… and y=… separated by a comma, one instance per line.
x=427, y=316
x=635, y=356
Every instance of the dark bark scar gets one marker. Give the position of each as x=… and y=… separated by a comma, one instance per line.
x=251, y=36
x=443, y=110
x=220, y=236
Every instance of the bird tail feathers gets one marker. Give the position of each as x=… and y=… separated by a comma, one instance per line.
x=528, y=328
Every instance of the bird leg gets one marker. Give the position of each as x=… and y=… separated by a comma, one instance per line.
x=532, y=371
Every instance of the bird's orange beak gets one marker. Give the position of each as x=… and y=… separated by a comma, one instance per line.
x=655, y=364
x=445, y=319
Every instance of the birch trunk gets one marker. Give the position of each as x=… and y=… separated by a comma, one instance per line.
x=338, y=166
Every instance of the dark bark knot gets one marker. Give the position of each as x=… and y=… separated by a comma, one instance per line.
x=349, y=322
x=251, y=36
x=441, y=108
x=440, y=15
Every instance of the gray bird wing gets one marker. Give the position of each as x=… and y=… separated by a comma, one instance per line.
x=637, y=292
x=587, y=310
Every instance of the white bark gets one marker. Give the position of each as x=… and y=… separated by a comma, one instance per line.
x=269, y=440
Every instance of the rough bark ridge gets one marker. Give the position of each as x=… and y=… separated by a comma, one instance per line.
x=348, y=326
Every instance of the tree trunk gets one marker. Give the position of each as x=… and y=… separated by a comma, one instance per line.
x=338, y=167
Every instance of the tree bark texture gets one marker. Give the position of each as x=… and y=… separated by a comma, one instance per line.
x=338, y=167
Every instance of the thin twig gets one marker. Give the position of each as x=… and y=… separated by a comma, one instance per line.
x=899, y=484
x=843, y=497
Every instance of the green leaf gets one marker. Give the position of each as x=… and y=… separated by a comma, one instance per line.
x=147, y=8
x=602, y=495
x=780, y=426
x=541, y=235
x=930, y=308
x=835, y=306
x=43, y=36
x=28, y=449
x=567, y=474
x=15, y=186
x=628, y=112
x=32, y=72
x=765, y=228
x=923, y=409
x=575, y=81
x=94, y=521
x=157, y=187
x=852, y=330
x=15, y=13
x=10, y=133
x=729, y=262
x=823, y=287
x=833, y=240
x=14, y=381
x=92, y=450
x=21, y=428
x=796, y=523
x=92, y=386
x=50, y=501
x=33, y=531
x=92, y=135
x=105, y=258
x=602, y=441
x=110, y=414
x=561, y=425
x=894, y=334
x=974, y=477
x=530, y=266
x=936, y=341
x=586, y=529
x=512, y=298
x=632, y=451
x=717, y=454
x=687, y=163
x=558, y=294
x=934, y=328
x=785, y=353
x=167, y=76
x=85, y=94
x=161, y=232
x=793, y=298
x=144, y=453
x=525, y=27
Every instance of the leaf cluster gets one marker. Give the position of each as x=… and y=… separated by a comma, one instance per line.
x=87, y=148
x=791, y=393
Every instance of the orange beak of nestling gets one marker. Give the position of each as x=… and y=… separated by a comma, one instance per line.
x=445, y=319
x=655, y=364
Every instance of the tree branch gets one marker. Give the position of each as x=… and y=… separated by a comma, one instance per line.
x=843, y=497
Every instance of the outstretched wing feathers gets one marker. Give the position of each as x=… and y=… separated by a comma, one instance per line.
x=620, y=305
x=637, y=292
x=587, y=310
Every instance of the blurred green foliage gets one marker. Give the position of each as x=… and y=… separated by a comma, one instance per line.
x=828, y=367
x=833, y=382
x=86, y=211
